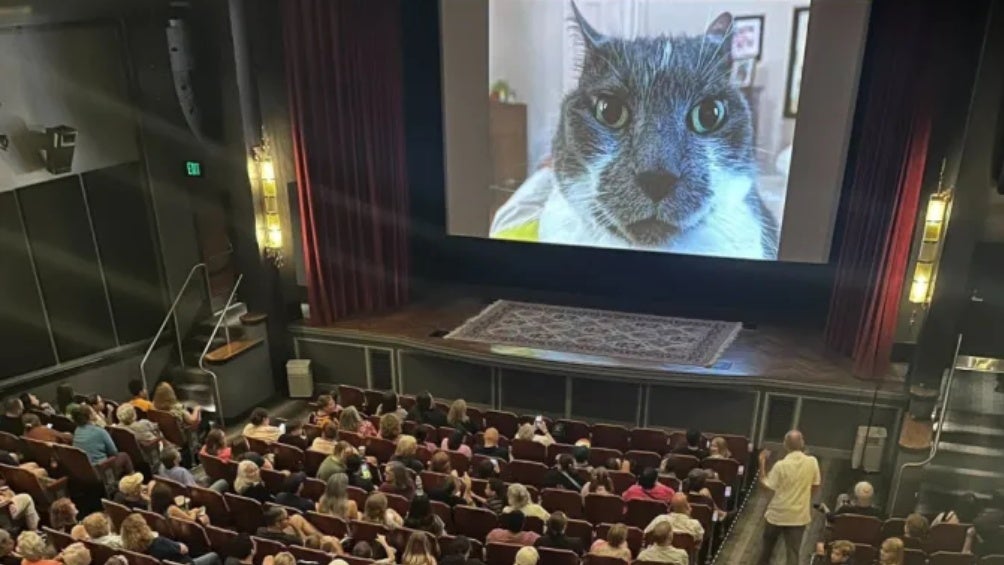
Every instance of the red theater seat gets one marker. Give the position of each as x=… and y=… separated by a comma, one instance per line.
x=567, y=501
x=603, y=508
x=611, y=436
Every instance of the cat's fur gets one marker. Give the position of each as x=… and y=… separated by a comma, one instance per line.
x=714, y=207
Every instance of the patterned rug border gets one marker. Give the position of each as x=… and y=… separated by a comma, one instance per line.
x=714, y=344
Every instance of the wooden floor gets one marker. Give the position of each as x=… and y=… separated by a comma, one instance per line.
x=778, y=354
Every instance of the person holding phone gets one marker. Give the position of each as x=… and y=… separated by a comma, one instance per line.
x=535, y=432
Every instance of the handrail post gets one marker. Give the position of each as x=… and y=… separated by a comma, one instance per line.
x=171, y=314
x=209, y=344
x=937, y=434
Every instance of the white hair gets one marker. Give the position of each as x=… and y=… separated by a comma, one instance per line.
x=864, y=491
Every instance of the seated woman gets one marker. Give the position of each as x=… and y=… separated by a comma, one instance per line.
x=406, y=453
x=216, y=445
x=100, y=410
x=563, y=475
x=260, y=427
x=375, y=511
x=131, y=492
x=147, y=433
x=335, y=501
x=99, y=530
x=418, y=551
x=20, y=508
x=325, y=443
x=389, y=405
x=535, y=432
x=892, y=552
x=137, y=536
x=440, y=463
x=34, y=550
x=63, y=518
x=390, y=427
x=33, y=429
x=162, y=502
x=327, y=409
x=719, y=448
x=915, y=531
x=456, y=491
x=249, y=483
x=519, y=500
x=398, y=480
x=599, y=482
x=421, y=517
x=456, y=443
x=458, y=418
x=96, y=443
x=66, y=399
x=165, y=400
x=615, y=544
x=694, y=487
x=351, y=421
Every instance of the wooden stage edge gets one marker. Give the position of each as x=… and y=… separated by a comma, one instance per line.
x=767, y=358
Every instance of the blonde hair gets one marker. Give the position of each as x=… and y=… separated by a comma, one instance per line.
x=350, y=419
x=894, y=547
x=375, y=509
x=32, y=546
x=417, y=551
x=517, y=496
x=76, y=554
x=845, y=547
x=617, y=535
x=97, y=525
x=458, y=413
x=248, y=475
x=525, y=432
x=721, y=447
x=164, y=397
x=126, y=414
x=390, y=426
x=284, y=558
x=136, y=534
x=527, y=556
x=407, y=445
x=916, y=526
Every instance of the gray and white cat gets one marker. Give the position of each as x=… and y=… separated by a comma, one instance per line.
x=654, y=149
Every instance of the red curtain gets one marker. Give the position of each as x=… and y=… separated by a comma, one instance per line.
x=883, y=189
x=344, y=73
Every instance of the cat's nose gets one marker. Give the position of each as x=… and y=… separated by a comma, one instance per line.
x=657, y=185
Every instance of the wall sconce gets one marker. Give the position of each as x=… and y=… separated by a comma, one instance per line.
x=262, y=168
x=930, y=246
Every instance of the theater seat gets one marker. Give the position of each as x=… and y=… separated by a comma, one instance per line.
x=305, y=554
x=366, y=531
x=549, y=556
x=397, y=503
x=680, y=465
x=574, y=430
x=726, y=469
x=602, y=560
x=192, y=535
x=352, y=396
x=380, y=448
x=611, y=436
x=892, y=528
x=220, y=539
x=567, y=501
x=649, y=439
x=528, y=450
x=910, y=557
x=214, y=503
x=312, y=461
x=644, y=459
x=580, y=529
x=505, y=422
x=945, y=537
x=641, y=512
x=526, y=472
x=474, y=522
x=287, y=457
x=328, y=525
x=603, y=508
x=622, y=480
x=856, y=528
x=949, y=558
x=598, y=456
x=635, y=537
x=246, y=512
x=264, y=547
x=501, y=553
x=116, y=512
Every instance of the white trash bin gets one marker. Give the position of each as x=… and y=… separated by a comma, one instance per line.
x=300, y=378
x=868, y=451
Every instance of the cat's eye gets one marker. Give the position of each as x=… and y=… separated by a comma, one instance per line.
x=610, y=111
x=707, y=116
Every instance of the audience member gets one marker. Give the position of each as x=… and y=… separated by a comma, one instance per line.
x=422, y=438
x=147, y=433
x=66, y=400
x=984, y=537
x=719, y=448
x=458, y=552
x=165, y=400
x=335, y=501
x=10, y=421
x=862, y=503
x=915, y=531
x=283, y=528
x=599, y=482
x=406, y=452
x=456, y=491
x=425, y=412
x=240, y=550
x=351, y=421
x=694, y=445
x=679, y=518
x=335, y=463
x=562, y=475
x=389, y=405
x=793, y=480
x=967, y=508
x=418, y=550
x=294, y=435
x=137, y=536
x=359, y=473
x=398, y=480
x=527, y=556
x=648, y=487
x=170, y=458
x=327, y=410
x=75, y=554
x=260, y=427
x=519, y=500
x=34, y=550
x=7, y=555
x=485, y=469
x=580, y=453
x=99, y=410
x=131, y=492
x=457, y=418
x=20, y=507
x=291, y=494
x=662, y=550
x=32, y=404
x=456, y=443
x=892, y=552
x=535, y=432
x=138, y=396
x=249, y=483
x=511, y=530
x=376, y=511
x=99, y=530
x=421, y=517
x=496, y=495
x=325, y=443
x=490, y=446
x=216, y=445
x=554, y=535
x=33, y=429
x=440, y=463
x=96, y=443
x=615, y=544
x=162, y=502
x=390, y=427
x=842, y=553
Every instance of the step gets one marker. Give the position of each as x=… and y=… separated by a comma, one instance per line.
x=971, y=420
x=232, y=350
x=949, y=478
x=973, y=450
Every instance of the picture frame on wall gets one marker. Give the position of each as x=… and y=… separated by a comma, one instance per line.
x=741, y=75
x=747, y=37
x=799, y=35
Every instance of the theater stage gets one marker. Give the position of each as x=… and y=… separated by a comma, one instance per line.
x=768, y=379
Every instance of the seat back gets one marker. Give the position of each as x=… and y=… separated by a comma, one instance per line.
x=856, y=528
x=11, y=443
x=671, y=482
x=287, y=457
x=78, y=466
x=945, y=537
x=116, y=512
x=649, y=439
x=273, y=480
x=358, y=496
x=551, y=556
x=169, y=426
x=312, y=461
x=444, y=512
x=382, y=449
x=126, y=442
x=352, y=396
x=459, y=462
x=246, y=512
x=352, y=438
x=40, y=452
x=177, y=489
x=640, y=512
x=949, y=558
x=433, y=481
x=191, y=534
x=398, y=503
x=580, y=529
x=556, y=449
x=328, y=525
x=372, y=398
x=157, y=522
x=574, y=430
x=501, y=553
x=867, y=554
x=101, y=553
x=214, y=503
x=24, y=481
x=703, y=514
x=591, y=559
x=264, y=547
x=528, y=450
x=221, y=539
x=726, y=469
x=611, y=436
x=680, y=465
x=643, y=459
x=622, y=480
x=739, y=446
x=893, y=528
x=635, y=537
x=218, y=469
x=366, y=531
x=259, y=446
x=598, y=456
x=312, y=488
x=474, y=522
x=686, y=542
x=505, y=422
x=526, y=472
x=603, y=508
x=567, y=501
x=306, y=554
x=62, y=423
x=59, y=540
x=910, y=557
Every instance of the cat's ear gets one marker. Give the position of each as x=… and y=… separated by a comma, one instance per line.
x=590, y=36
x=721, y=28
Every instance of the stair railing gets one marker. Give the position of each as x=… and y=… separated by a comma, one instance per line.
x=209, y=344
x=172, y=314
x=942, y=412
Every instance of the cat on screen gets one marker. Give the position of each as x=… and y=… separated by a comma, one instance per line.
x=653, y=150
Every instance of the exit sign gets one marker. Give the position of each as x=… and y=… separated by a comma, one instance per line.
x=193, y=168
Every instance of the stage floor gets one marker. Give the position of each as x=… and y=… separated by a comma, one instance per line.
x=794, y=358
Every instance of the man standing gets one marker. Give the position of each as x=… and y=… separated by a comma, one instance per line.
x=794, y=480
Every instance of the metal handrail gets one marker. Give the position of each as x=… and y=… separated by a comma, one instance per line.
x=172, y=314
x=937, y=434
x=209, y=345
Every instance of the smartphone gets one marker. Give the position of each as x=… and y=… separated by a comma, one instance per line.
x=49, y=426
x=538, y=420
x=282, y=428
